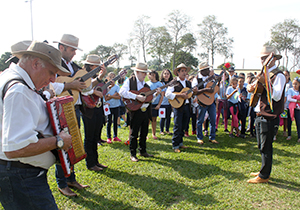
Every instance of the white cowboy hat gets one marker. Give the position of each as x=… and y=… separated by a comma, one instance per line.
x=182, y=65
x=204, y=65
x=267, y=50
x=92, y=60
x=142, y=67
x=47, y=53
x=69, y=40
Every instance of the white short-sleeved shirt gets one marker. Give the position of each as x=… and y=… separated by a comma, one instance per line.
x=23, y=114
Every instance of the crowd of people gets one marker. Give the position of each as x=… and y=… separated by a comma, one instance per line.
x=36, y=73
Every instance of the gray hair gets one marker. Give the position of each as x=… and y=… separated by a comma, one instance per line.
x=26, y=57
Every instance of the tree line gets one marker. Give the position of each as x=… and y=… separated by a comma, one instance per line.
x=174, y=43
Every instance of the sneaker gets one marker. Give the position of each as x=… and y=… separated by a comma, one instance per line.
x=274, y=138
x=285, y=134
x=116, y=139
x=231, y=135
x=126, y=142
x=186, y=134
x=289, y=138
x=119, y=126
x=226, y=131
x=194, y=132
x=125, y=125
x=108, y=140
x=214, y=141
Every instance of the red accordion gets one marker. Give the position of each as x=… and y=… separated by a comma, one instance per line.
x=62, y=117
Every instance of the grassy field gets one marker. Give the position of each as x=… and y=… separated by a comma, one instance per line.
x=201, y=177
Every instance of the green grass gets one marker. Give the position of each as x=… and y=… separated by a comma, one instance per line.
x=201, y=177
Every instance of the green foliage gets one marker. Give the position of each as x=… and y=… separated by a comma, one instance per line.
x=4, y=58
x=187, y=58
x=220, y=66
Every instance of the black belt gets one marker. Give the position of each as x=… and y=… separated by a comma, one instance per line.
x=18, y=164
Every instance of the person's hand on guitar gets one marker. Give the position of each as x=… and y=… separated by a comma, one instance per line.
x=140, y=98
x=76, y=85
x=183, y=95
x=67, y=140
x=102, y=72
x=98, y=93
x=261, y=78
x=158, y=91
x=208, y=90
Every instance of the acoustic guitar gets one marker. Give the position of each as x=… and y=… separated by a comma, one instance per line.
x=133, y=105
x=84, y=76
x=208, y=98
x=259, y=87
x=92, y=101
x=177, y=102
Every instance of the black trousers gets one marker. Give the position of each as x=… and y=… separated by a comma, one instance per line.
x=92, y=131
x=139, y=125
x=265, y=131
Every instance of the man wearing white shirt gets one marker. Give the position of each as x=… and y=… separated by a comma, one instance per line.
x=24, y=157
x=267, y=120
x=68, y=46
x=181, y=114
x=139, y=122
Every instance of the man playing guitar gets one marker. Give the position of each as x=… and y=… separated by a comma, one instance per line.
x=267, y=120
x=182, y=113
x=140, y=118
x=204, y=71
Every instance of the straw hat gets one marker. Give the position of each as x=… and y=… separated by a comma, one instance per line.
x=204, y=65
x=267, y=50
x=23, y=45
x=92, y=60
x=47, y=53
x=142, y=67
x=69, y=40
x=182, y=65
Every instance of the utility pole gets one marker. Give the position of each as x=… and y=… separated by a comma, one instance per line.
x=30, y=1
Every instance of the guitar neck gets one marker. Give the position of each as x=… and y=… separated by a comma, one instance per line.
x=109, y=83
x=153, y=91
x=93, y=72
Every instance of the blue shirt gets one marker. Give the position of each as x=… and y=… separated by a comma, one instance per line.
x=113, y=103
x=154, y=86
x=235, y=97
x=165, y=101
x=292, y=93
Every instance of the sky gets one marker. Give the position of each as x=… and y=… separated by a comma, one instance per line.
x=99, y=22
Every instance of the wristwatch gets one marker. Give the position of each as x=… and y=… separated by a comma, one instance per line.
x=59, y=142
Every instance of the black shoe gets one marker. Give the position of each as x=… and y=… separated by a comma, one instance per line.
x=226, y=131
x=146, y=155
x=242, y=136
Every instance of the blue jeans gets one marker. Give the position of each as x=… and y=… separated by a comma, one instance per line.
x=25, y=188
x=211, y=109
x=181, y=117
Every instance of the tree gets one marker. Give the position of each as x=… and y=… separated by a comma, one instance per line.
x=103, y=51
x=185, y=57
x=177, y=25
x=120, y=50
x=284, y=37
x=160, y=45
x=142, y=33
x=213, y=36
x=4, y=58
x=188, y=43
